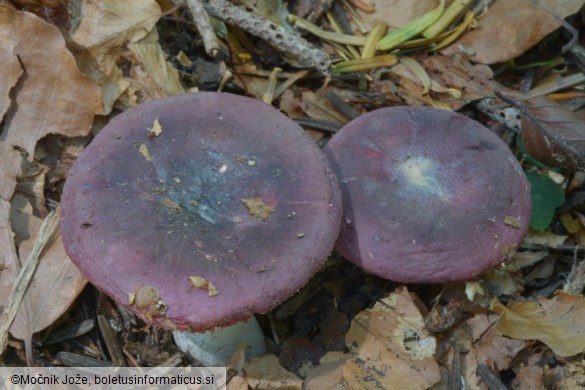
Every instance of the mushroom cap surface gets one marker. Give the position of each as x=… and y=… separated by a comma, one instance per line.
x=226, y=209
x=429, y=195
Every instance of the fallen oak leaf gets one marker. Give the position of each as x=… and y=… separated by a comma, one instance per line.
x=509, y=28
x=54, y=97
x=557, y=322
x=552, y=133
x=390, y=347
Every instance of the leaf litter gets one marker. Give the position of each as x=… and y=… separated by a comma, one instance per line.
x=349, y=329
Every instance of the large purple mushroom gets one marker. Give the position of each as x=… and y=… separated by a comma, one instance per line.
x=428, y=195
x=198, y=210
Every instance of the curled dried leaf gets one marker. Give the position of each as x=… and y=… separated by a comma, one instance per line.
x=553, y=134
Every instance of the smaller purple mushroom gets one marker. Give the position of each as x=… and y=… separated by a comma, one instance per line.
x=428, y=195
x=198, y=210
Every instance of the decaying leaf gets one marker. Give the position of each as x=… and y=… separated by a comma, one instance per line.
x=54, y=287
x=390, y=346
x=553, y=134
x=153, y=75
x=54, y=97
x=328, y=374
x=147, y=300
x=104, y=29
x=320, y=108
x=473, y=81
x=265, y=372
x=509, y=28
x=557, y=322
x=9, y=260
x=11, y=72
x=476, y=341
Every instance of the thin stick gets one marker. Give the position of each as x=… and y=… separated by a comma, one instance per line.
x=47, y=232
x=201, y=19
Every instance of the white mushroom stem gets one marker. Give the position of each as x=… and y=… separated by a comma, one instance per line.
x=215, y=348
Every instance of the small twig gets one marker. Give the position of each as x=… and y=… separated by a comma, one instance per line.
x=570, y=249
x=111, y=342
x=555, y=86
x=340, y=105
x=454, y=382
x=281, y=39
x=173, y=361
x=70, y=359
x=69, y=332
x=47, y=232
x=319, y=124
x=492, y=381
x=201, y=19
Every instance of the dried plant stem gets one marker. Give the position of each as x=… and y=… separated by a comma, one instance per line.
x=269, y=94
x=46, y=234
x=295, y=45
x=201, y=19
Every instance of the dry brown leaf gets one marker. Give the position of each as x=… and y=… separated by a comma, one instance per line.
x=328, y=375
x=104, y=28
x=510, y=28
x=58, y=153
x=557, y=322
x=317, y=107
x=552, y=133
x=55, y=285
x=290, y=104
x=573, y=376
x=391, y=347
x=253, y=85
x=9, y=260
x=474, y=81
x=153, y=75
x=54, y=97
x=528, y=377
x=11, y=72
x=478, y=342
x=265, y=372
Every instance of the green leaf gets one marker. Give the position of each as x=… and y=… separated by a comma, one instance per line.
x=546, y=197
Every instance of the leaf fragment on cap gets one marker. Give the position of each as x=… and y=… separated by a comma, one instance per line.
x=147, y=300
x=201, y=282
x=144, y=151
x=257, y=208
x=512, y=221
x=155, y=130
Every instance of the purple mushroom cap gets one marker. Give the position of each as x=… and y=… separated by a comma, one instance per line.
x=197, y=210
x=429, y=195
